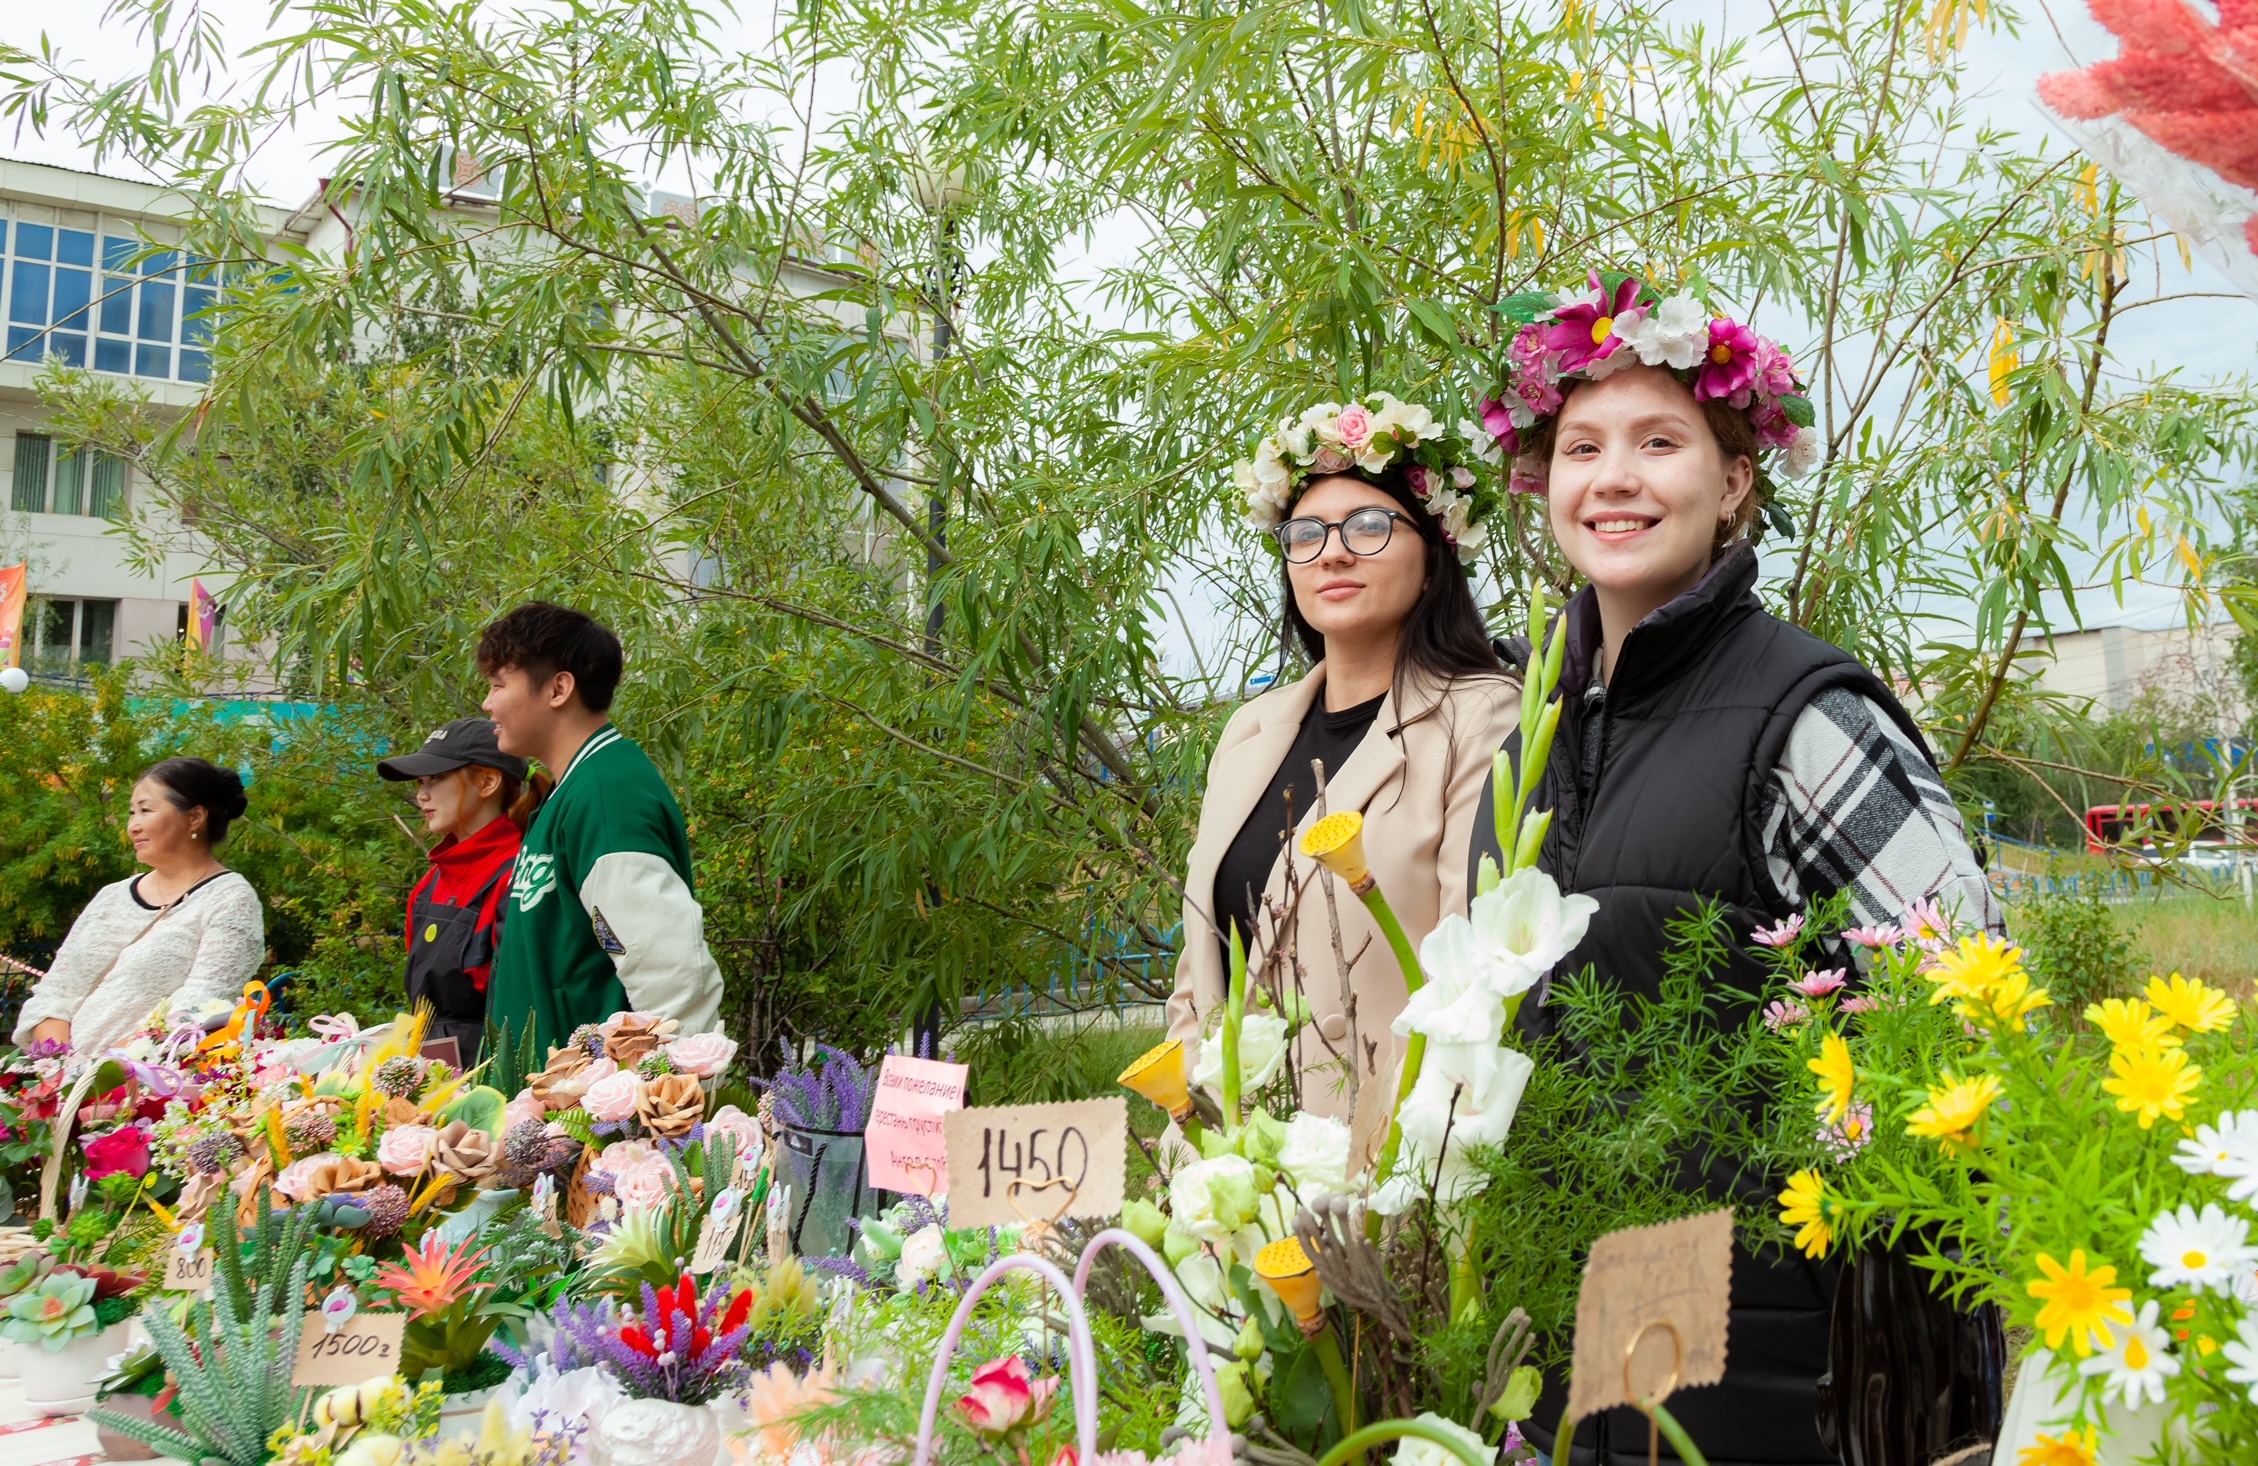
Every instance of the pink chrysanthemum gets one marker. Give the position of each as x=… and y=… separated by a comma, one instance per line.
x=1730, y=365
x=1847, y=1136
x=1779, y=936
x=1820, y=984
x=1873, y=938
x=1784, y=1014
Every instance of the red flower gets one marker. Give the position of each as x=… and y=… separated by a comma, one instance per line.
x=121, y=1152
x=1003, y=1397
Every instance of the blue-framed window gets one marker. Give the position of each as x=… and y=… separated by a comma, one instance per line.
x=92, y=297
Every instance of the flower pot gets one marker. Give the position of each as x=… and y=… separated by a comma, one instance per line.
x=9, y=1367
x=61, y=1382
x=462, y=1415
x=124, y=1447
x=2044, y=1400
x=658, y=1433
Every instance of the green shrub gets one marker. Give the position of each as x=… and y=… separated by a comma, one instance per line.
x=2075, y=946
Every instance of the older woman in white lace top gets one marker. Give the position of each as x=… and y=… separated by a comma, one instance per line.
x=184, y=933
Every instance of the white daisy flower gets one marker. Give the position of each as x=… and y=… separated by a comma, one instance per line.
x=2191, y=1249
x=2242, y=1353
x=2227, y=1148
x=2138, y=1365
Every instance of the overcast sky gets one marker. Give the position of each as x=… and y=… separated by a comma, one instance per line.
x=2205, y=337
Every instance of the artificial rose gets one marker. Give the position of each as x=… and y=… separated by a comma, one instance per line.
x=522, y=1107
x=612, y=1098
x=1262, y=1052
x=1315, y=1155
x=925, y=1255
x=629, y=1036
x=738, y=1126
x=327, y=1174
x=670, y=1105
x=198, y=1192
x=1213, y=1199
x=641, y=1177
x=405, y=1149
x=1003, y=1397
x=702, y=1054
x=464, y=1152
x=122, y=1152
x=1412, y=422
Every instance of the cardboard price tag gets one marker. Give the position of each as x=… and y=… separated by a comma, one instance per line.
x=903, y=1138
x=367, y=1346
x=1651, y=1319
x=188, y=1274
x=1037, y=1163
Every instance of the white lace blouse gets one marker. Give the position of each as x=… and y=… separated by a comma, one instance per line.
x=206, y=947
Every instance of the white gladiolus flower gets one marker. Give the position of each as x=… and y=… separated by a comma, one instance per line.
x=1462, y=1001
x=1466, y=1096
x=2189, y=1249
x=1412, y=1451
x=2135, y=1369
x=1315, y=1155
x=1803, y=454
x=1525, y=926
x=1674, y=333
x=1262, y=1052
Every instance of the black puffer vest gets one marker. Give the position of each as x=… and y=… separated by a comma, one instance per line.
x=1657, y=792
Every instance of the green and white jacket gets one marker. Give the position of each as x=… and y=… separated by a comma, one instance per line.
x=602, y=913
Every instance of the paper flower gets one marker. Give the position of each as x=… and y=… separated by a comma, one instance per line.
x=629, y=1036
x=323, y=1175
x=670, y=1105
x=612, y=1098
x=2207, y=1250
x=464, y=1151
x=2078, y=1304
x=2134, y=1368
x=702, y=1054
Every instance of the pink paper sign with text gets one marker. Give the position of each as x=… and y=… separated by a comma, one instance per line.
x=907, y=1149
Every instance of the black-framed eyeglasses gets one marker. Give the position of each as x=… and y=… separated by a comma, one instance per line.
x=1366, y=532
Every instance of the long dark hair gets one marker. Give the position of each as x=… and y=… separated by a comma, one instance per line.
x=1443, y=637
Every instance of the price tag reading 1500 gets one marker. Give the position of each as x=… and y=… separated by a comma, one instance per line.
x=1022, y=1163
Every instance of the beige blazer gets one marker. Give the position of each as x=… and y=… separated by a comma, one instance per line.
x=1417, y=781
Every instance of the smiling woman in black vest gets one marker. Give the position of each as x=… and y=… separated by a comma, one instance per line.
x=1707, y=750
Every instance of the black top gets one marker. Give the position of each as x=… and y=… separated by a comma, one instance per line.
x=1325, y=736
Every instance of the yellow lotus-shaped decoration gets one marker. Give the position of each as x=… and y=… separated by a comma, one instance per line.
x=1293, y=1277
x=1160, y=1077
x=1337, y=843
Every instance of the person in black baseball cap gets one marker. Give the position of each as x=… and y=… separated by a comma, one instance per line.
x=477, y=799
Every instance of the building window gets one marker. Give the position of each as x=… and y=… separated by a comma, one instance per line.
x=62, y=635
x=51, y=479
x=136, y=316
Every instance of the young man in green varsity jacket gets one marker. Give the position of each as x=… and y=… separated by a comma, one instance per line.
x=602, y=912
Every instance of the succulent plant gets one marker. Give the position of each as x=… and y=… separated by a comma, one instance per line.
x=24, y=1272
x=52, y=1312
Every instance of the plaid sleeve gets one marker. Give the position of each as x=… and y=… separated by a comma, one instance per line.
x=1854, y=805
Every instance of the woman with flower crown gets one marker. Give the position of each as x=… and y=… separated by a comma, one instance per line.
x=1708, y=750
x=1373, y=509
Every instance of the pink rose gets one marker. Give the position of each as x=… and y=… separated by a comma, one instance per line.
x=702, y=1054
x=292, y=1182
x=122, y=1152
x=404, y=1150
x=738, y=1126
x=612, y=1097
x=521, y=1109
x=1353, y=427
x=566, y=1093
x=640, y=1175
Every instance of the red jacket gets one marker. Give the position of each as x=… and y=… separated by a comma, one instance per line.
x=460, y=867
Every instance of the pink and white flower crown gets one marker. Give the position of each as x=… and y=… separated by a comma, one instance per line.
x=1618, y=320
x=1368, y=436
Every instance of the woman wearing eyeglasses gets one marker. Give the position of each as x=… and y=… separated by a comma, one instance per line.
x=1373, y=508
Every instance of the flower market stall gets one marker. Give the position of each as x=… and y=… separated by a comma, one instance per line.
x=333, y=1250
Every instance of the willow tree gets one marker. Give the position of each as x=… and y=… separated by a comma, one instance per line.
x=892, y=541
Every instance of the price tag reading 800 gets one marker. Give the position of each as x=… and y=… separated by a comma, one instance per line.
x=1020, y=1163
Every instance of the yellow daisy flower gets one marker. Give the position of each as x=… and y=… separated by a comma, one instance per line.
x=1836, y=1076
x=2152, y=1082
x=2078, y=1303
x=2071, y=1448
x=2008, y=1002
x=2194, y=1006
x=1953, y=1109
x=2129, y=1023
x=1972, y=969
x=1805, y=1204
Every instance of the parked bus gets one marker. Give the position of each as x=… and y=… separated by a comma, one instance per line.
x=2196, y=828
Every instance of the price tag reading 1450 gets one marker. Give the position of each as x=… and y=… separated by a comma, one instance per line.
x=1020, y=1163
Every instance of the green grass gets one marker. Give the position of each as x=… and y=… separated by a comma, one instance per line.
x=2196, y=936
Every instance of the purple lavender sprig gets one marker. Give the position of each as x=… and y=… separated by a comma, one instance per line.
x=832, y=1093
x=667, y=1354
